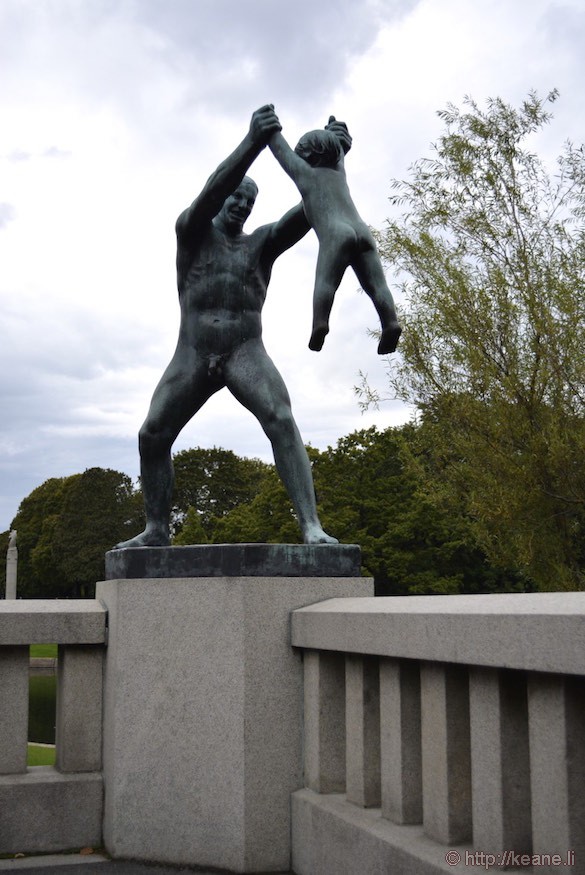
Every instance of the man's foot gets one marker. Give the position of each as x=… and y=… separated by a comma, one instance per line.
x=318, y=337
x=314, y=534
x=389, y=339
x=147, y=538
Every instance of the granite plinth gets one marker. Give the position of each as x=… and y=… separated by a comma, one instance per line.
x=203, y=741
x=235, y=560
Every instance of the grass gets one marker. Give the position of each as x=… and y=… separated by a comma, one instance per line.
x=43, y=650
x=42, y=709
x=40, y=756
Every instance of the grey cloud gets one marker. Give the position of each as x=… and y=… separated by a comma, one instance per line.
x=51, y=152
x=7, y=214
x=298, y=52
x=224, y=54
x=78, y=344
x=19, y=155
x=564, y=24
x=44, y=458
x=55, y=406
x=56, y=152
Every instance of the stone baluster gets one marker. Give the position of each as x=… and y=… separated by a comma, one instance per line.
x=500, y=765
x=14, y=662
x=556, y=713
x=324, y=680
x=400, y=739
x=79, y=708
x=362, y=740
x=446, y=766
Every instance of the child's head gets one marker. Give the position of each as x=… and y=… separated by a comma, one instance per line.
x=319, y=148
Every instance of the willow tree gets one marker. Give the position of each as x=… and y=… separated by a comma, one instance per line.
x=488, y=248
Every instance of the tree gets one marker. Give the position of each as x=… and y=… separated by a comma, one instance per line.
x=34, y=522
x=489, y=252
x=368, y=492
x=4, y=539
x=212, y=482
x=371, y=492
x=192, y=531
x=267, y=519
x=66, y=525
x=100, y=508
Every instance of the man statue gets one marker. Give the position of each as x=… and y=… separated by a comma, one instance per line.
x=222, y=277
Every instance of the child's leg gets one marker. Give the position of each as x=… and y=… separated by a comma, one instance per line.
x=370, y=274
x=331, y=265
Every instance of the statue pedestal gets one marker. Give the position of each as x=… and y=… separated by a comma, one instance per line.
x=203, y=702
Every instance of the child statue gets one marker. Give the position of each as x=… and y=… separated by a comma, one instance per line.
x=317, y=168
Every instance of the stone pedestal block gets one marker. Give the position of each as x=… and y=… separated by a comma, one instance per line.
x=203, y=717
x=235, y=560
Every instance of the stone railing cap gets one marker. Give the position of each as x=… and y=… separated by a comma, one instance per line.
x=531, y=631
x=52, y=621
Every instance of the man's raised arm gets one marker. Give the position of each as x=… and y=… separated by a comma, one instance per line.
x=229, y=174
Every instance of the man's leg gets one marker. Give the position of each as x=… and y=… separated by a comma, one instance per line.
x=183, y=389
x=252, y=378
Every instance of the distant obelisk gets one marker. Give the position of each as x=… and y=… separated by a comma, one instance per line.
x=11, y=566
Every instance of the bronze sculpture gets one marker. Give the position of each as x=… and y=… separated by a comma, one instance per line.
x=222, y=277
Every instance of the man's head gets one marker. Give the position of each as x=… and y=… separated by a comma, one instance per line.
x=238, y=206
x=319, y=148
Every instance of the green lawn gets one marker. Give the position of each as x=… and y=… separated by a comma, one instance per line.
x=44, y=650
x=42, y=710
x=40, y=756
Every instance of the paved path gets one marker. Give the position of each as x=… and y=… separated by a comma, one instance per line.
x=73, y=864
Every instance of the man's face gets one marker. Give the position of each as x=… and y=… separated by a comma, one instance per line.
x=238, y=206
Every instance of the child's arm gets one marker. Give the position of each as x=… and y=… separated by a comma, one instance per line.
x=291, y=163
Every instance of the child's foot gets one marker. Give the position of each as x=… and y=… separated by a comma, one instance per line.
x=318, y=337
x=389, y=339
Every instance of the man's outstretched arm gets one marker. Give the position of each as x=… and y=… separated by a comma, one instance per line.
x=230, y=173
x=283, y=234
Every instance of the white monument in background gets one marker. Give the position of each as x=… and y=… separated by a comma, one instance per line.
x=11, y=566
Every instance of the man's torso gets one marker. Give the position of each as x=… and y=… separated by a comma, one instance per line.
x=222, y=284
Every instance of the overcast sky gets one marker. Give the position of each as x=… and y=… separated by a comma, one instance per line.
x=115, y=112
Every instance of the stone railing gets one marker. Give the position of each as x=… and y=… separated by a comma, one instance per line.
x=442, y=734
x=45, y=808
